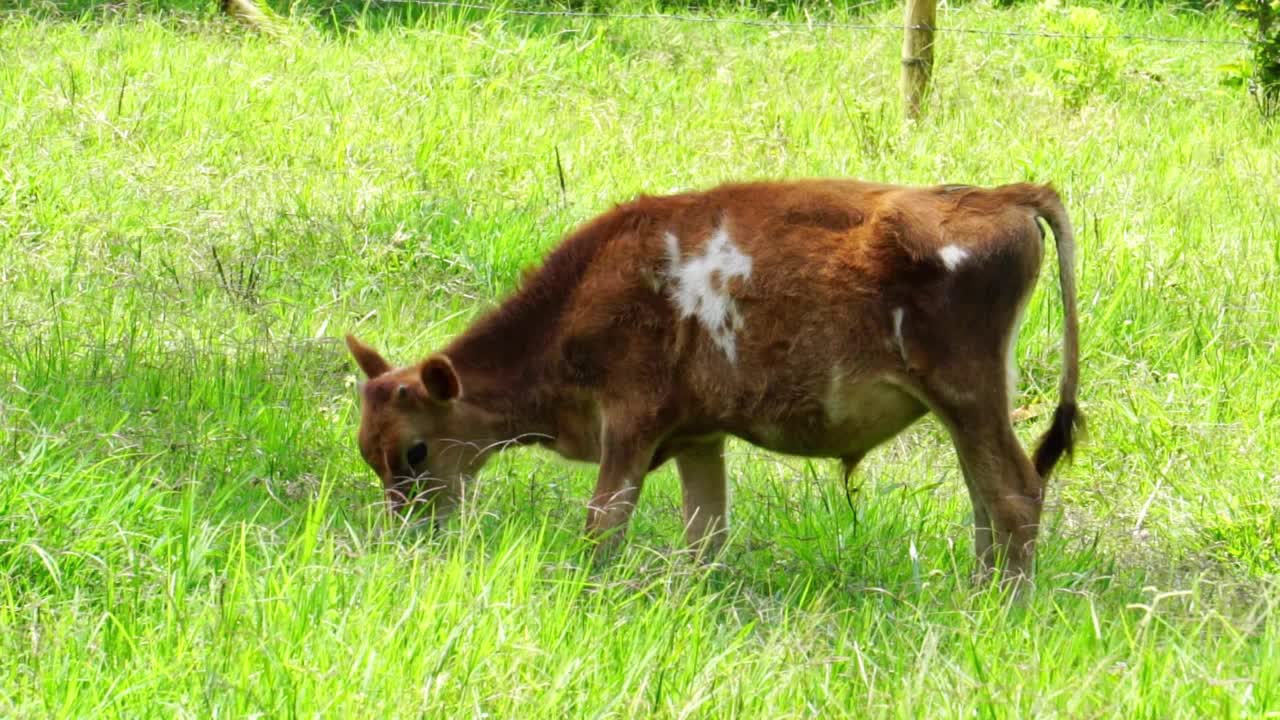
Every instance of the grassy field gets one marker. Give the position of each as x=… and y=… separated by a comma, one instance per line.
x=190, y=218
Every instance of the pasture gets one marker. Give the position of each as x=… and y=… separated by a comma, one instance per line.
x=192, y=216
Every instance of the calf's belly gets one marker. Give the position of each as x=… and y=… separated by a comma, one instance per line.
x=850, y=421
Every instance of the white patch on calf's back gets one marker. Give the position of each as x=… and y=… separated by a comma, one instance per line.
x=700, y=286
x=952, y=256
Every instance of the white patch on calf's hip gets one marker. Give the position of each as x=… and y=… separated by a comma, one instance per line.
x=1011, y=354
x=952, y=256
x=898, y=314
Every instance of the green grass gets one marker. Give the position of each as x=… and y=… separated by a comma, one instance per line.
x=190, y=218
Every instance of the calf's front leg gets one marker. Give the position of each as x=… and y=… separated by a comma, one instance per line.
x=624, y=462
x=705, y=494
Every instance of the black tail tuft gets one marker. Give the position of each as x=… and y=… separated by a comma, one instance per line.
x=1059, y=439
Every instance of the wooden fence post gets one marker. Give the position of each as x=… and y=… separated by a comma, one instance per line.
x=917, y=54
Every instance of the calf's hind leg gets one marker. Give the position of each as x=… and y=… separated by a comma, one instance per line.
x=983, y=546
x=1006, y=491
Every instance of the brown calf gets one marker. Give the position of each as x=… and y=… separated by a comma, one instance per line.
x=813, y=318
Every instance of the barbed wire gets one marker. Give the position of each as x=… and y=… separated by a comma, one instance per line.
x=810, y=24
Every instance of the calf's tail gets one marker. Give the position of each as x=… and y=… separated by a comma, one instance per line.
x=1060, y=438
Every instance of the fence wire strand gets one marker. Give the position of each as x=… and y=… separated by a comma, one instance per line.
x=808, y=24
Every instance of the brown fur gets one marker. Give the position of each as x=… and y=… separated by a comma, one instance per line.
x=592, y=358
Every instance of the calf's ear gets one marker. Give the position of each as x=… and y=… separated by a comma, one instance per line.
x=440, y=379
x=367, y=358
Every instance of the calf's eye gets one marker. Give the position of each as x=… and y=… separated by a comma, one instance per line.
x=417, y=453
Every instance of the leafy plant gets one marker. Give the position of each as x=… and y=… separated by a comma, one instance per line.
x=1264, y=80
x=1086, y=60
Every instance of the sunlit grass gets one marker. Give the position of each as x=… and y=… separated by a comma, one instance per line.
x=190, y=218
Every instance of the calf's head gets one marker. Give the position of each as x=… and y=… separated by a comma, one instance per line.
x=417, y=432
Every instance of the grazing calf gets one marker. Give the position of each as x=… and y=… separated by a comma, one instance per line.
x=812, y=318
